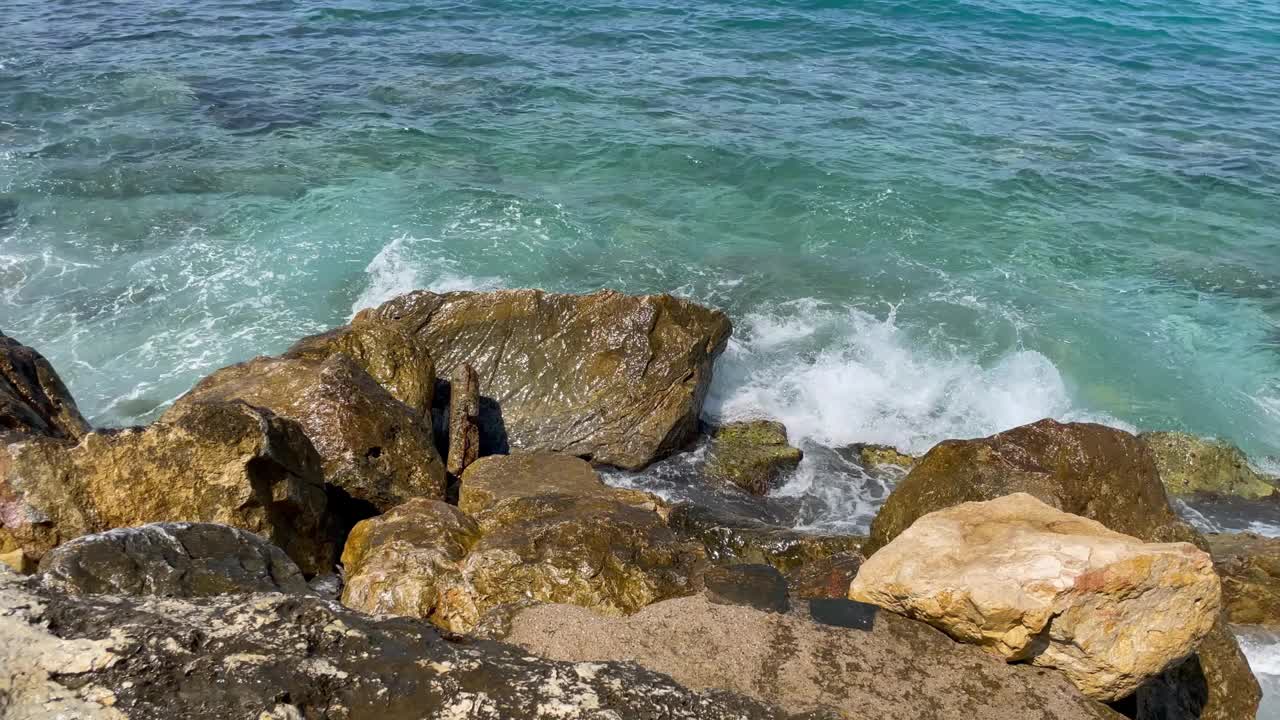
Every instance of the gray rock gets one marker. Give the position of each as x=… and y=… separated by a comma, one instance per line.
x=286, y=656
x=171, y=560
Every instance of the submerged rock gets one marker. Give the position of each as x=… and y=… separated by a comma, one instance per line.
x=1190, y=464
x=171, y=560
x=227, y=463
x=754, y=455
x=1027, y=582
x=614, y=378
x=1096, y=472
x=33, y=399
x=828, y=577
x=374, y=447
x=545, y=528
x=730, y=539
x=289, y=656
x=878, y=666
x=1250, y=568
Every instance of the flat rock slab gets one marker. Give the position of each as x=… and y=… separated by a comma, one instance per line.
x=172, y=560
x=894, y=669
x=286, y=656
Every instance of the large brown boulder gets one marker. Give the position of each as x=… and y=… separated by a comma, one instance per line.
x=1096, y=472
x=171, y=560
x=545, y=528
x=33, y=399
x=374, y=447
x=1190, y=464
x=615, y=378
x=866, y=664
x=1250, y=568
x=287, y=657
x=227, y=463
x=396, y=358
x=1027, y=582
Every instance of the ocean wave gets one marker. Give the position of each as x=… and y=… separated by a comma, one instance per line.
x=395, y=271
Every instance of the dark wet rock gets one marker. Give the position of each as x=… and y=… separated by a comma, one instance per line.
x=464, y=418
x=394, y=357
x=375, y=448
x=886, y=667
x=227, y=463
x=1190, y=464
x=614, y=378
x=33, y=399
x=1097, y=472
x=871, y=456
x=759, y=586
x=827, y=577
x=1250, y=569
x=545, y=528
x=171, y=560
x=289, y=656
x=730, y=539
x=754, y=455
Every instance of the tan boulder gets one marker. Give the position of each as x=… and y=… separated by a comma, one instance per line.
x=374, y=447
x=33, y=399
x=226, y=463
x=615, y=378
x=545, y=529
x=393, y=356
x=1190, y=464
x=824, y=657
x=1250, y=569
x=1028, y=582
x=1100, y=473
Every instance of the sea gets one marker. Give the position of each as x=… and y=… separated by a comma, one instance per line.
x=927, y=218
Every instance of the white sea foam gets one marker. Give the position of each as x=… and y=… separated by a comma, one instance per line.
x=837, y=376
x=395, y=271
x=1262, y=648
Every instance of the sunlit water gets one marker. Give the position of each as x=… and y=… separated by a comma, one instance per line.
x=927, y=219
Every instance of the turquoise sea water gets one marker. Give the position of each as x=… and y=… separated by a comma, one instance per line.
x=928, y=218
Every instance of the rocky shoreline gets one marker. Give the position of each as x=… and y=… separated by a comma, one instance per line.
x=403, y=518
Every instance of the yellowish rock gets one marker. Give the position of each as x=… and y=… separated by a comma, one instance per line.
x=1032, y=583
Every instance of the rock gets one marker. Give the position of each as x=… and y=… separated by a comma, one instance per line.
x=33, y=399
x=227, y=463
x=545, y=528
x=1030, y=583
x=395, y=358
x=171, y=560
x=827, y=577
x=1250, y=569
x=614, y=378
x=234, y=657
x=18, y=561
x=497, y=478
x=759, y=586
x=753, y=455
x=890, y=668
x=409, y=561
x=374, y=447
x=870, y=455
x=731, y=539
x=464, y=416
x=1084, y=469
x=1189, y=464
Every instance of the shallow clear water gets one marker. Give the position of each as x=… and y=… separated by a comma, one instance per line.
x=928, y=219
